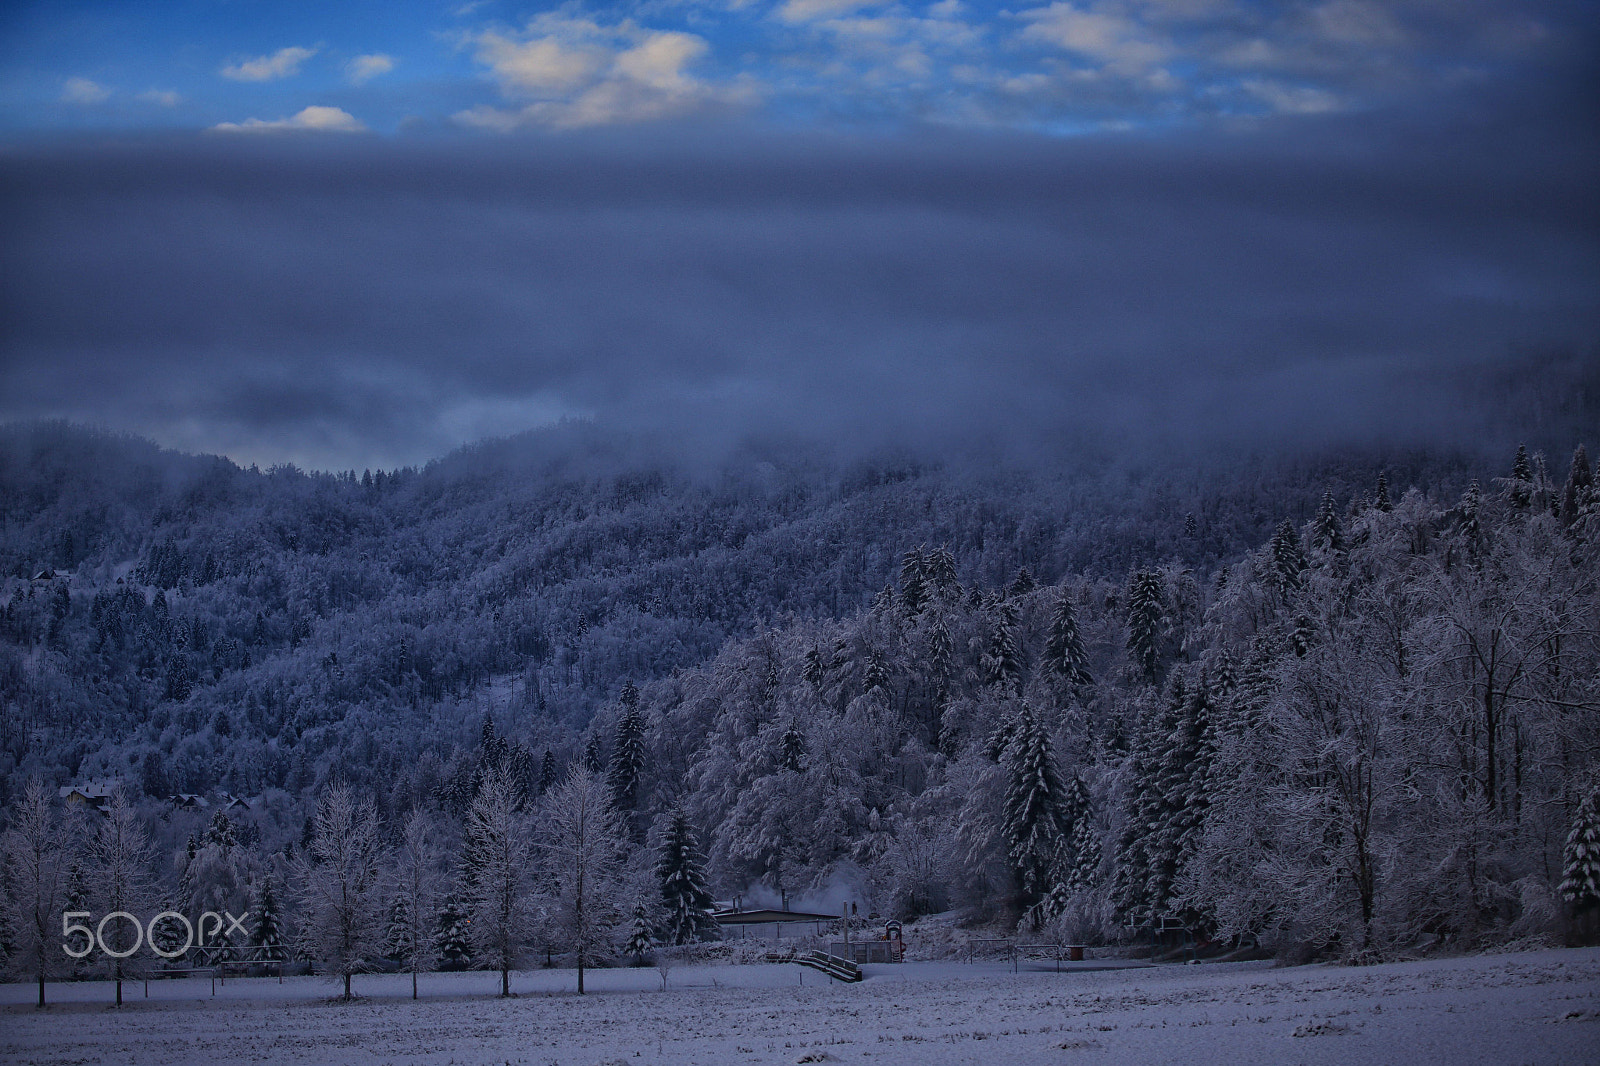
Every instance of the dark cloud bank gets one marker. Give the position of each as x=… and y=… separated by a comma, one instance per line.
x=1431, y=275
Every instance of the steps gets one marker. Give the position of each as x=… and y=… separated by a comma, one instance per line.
x=832, y=965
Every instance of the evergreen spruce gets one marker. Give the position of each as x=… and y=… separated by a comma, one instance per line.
x=1034, y=825
x=681, y=873
x=455, y=946
x=627, y=757
x=792, y=749
x=1579, y=488
x=1382, y=502
x=593, y=760
x=1327, y=533
x=1287, y=558
x=639, y=939
x=1580, y=884
x=1146, y=623
x=1519, y=486
x=1064, y=653
x=913, y=582
x=1002, y=658
x=266, y=923
x=547, y=771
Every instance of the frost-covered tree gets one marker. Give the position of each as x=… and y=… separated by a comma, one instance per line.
x=339, y=884
x=1287, y=558
x=415, y=879
x=1579, y=489
x=680, y=871
x=36, y=858
x=120, y=857
x=499, y=845
x=583, y=844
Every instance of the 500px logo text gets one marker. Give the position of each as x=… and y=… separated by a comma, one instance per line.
x=145, y=933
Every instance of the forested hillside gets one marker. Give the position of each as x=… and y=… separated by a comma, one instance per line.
x=1343, y=702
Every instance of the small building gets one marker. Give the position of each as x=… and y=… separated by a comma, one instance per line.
x=188, y=801
x=94, y=795
x=767, y=920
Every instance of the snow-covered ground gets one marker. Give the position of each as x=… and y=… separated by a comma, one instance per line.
x=1532, y=1007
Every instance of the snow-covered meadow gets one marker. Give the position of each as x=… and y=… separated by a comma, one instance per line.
x=1530, y=1007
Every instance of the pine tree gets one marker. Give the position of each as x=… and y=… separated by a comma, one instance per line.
x=1327, y=532
x=639, y=939
x=454, y=946
x=680, y=869
x=1519, y=486
x=627, y=757
x=1579, y=488
x=1033, y=814
x=1287, y=558
x=1191, y=528
x=593, y=760
x=547, y=771
x=266, y=923
x=792, y=749
x=397, y=929
x=913, y=582
x=1146, y=623
x=1064, y=653
x=1580, y=884
x=1022, y=584
x=1002, y=658
x=941, y=574
x=1382, y=501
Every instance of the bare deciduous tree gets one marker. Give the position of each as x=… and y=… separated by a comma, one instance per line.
x=583, y=842
x=338, y=883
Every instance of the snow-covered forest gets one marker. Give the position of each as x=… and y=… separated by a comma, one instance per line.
x=545, y=696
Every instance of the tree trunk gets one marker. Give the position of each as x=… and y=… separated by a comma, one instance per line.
x=413, y=983
x=41, y=984
x=346, y=986
x=505, y=982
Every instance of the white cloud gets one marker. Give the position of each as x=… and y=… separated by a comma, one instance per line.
x=1292, y=99
x=1112, y=39
x=284, y=63
x=164, y=97
x=810, y=10
x=316, y=118
x=84, y=91
x=363, y=69
x=578, y=72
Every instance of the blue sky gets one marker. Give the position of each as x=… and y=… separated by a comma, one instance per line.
x=499, y=66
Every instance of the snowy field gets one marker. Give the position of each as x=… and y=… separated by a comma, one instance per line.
x=1534, y=1007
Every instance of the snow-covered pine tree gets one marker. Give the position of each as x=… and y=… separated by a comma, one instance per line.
x=1580, y=486
x=547, y=771
x=941, y=574
x=681, y=872
x=792, y=749
x=1580, y=882
x=1002, y=657
x=1184, y=780
x=593, y=758
x=397, y=927
x=913, y=582
x=1022, y=584
x=1382, y=501
x=627, y=756
x=1327, y=532
x=1147, y=623
x=1519, y=486
x=1064, y=654
x=639, y=940
x=1033, y=812
x=452, y=942
x=1082, y=845
x=1287, y=558
x=266, y=922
